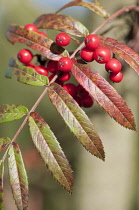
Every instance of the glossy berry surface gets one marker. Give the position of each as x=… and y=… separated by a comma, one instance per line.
x=42, y=33
x=86, y=102
x=62, y=39
x=102, y=54
x=71, y=89
x=52, y=66
x=41, y=70
x=65, y=64
x=113, y=65
x=25, y=56
x=64, y=76
x=87, y=55
x=92, y=41
x=31, y=27
x=116, y=77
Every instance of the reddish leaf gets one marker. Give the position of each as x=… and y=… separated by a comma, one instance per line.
x=4, y=142
x=18, y=177
x=50, y=151
x=105, y=95
x=95, y=7
x=123, y=51
x=76, y=120
x=35, y=41
x=61, y=23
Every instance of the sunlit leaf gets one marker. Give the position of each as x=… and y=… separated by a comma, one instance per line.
x=1, y=184
x=95, y=7
x=61, y=23
x=4, y=142
x=18, y=177
x=25, y=74
x=76, y=120
x=105, y=95
x=10, y=112
x=44, y=45
x=123, y=51
x=50, y=151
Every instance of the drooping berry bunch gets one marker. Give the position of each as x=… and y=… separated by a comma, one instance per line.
x=93, y=50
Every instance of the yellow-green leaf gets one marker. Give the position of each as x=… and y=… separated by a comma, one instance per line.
x=18, y=177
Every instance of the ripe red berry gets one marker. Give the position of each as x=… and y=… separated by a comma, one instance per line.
x=71, y=89
x=92, y=41
x=116, y=77
x=25, y=56
x=86, y=101
x=102, y=54
x=31, y=65
x=52, y=66
x=57, y=81
x=62, y=39
x=65, y=64
x=64, y=76
x=87, y=55
x=31, y=27
x=41, y=70
x=42, y=33
x=113, y=65
x=81, y=91
x=78, y=100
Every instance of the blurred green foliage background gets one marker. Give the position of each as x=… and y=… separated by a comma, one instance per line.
x=110, y=185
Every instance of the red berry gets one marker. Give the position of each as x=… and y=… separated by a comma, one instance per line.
x=42, y=33
x=71, y=89
x=113, y=65
x=64, y=76
x=116, y=77
x=52, y=66
x=78, y=100
x=62, y=39
x=31, y=27
x=86, y=101
x=87, y=55
x=102, y=54
x=25, y=56
x=65, y=64
x=31, y=65
x=81, y=91
x=57, y=81
x=92, y=41
x=41, y=70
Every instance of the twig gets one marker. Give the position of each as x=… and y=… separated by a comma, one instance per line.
x=116, y=14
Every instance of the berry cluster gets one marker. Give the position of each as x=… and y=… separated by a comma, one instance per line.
x=92, y=51
x=101, y=54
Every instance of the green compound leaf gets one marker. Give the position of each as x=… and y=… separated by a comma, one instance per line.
x=4, y=142
x=1, y=184
x=18, y=177
x=25, y=74
x=76, y=120
x=61, y=23
x=104, y=94
x=38, y=42
x=11, y=112
x=50, y=151
x=123, y=51
x=95, y=7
